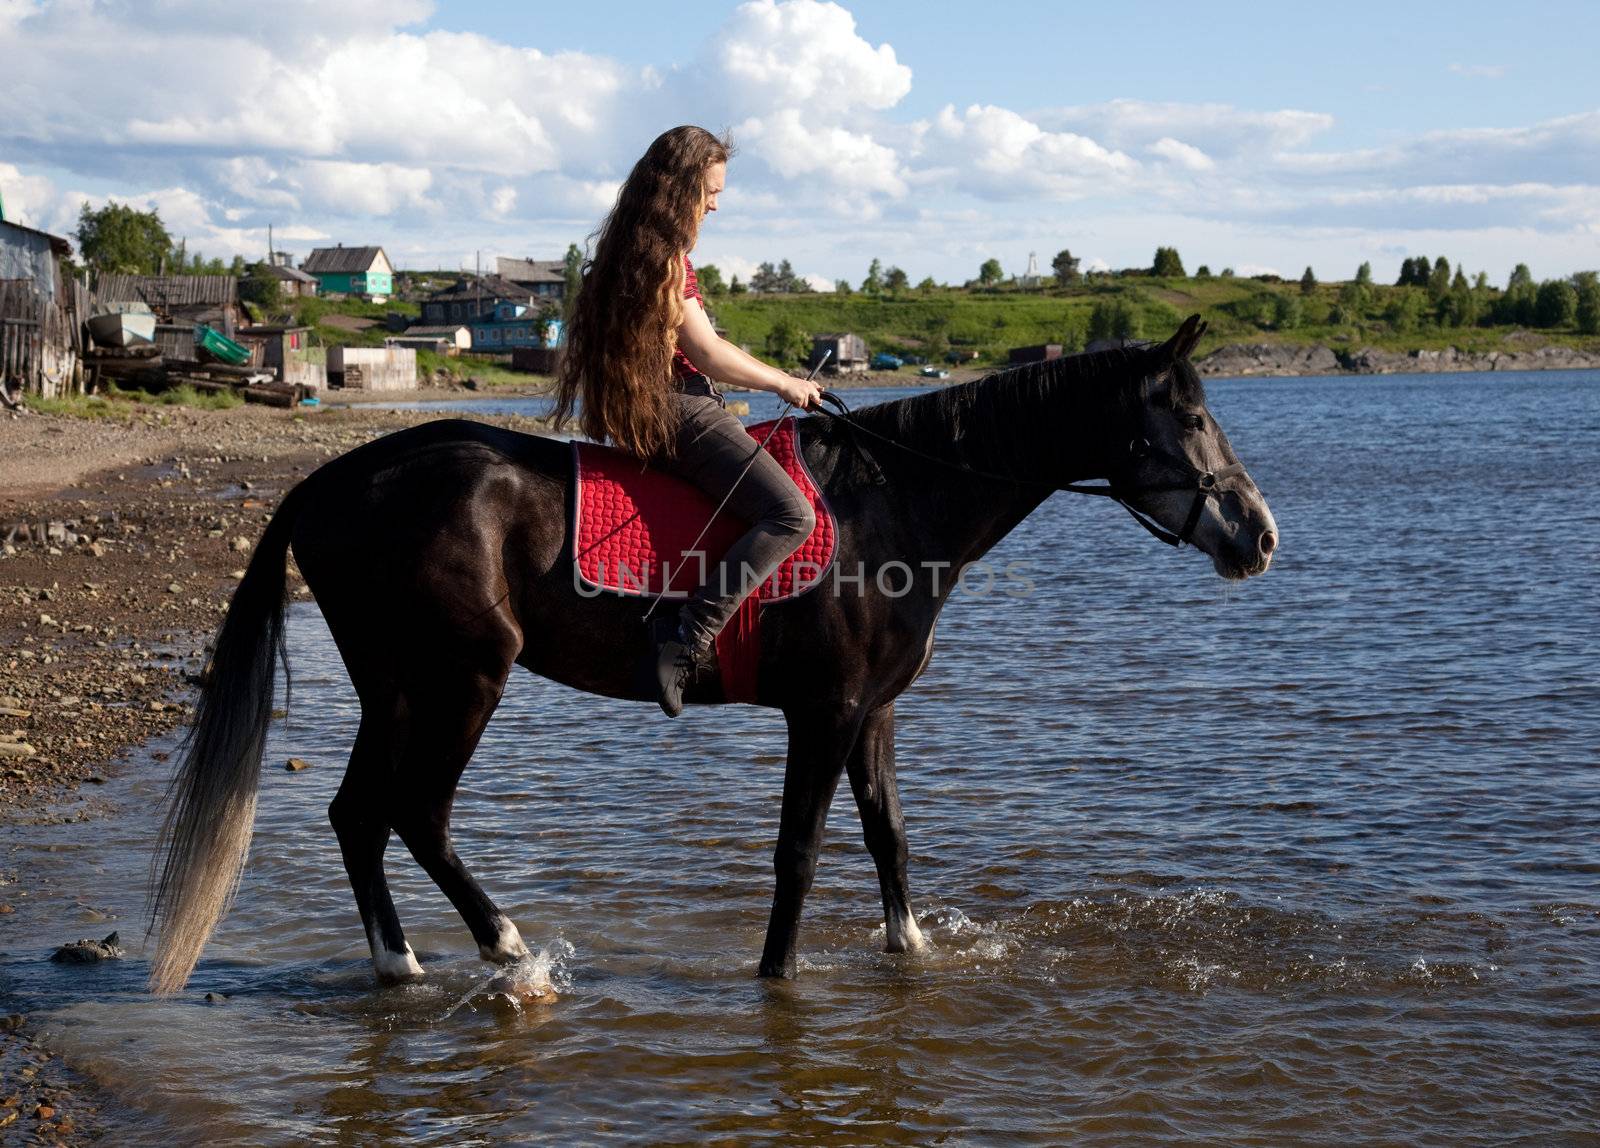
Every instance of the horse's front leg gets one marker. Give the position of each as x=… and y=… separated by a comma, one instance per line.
x=871, y=766
x=820, y=741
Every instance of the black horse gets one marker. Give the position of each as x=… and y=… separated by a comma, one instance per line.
x=441, y=557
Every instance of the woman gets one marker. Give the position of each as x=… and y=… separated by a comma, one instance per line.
x=638, y=366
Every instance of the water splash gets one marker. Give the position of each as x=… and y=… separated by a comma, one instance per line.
x=538, y=978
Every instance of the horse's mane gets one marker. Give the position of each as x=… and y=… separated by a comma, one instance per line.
x=984, y=423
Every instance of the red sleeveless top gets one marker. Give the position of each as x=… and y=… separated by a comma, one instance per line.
x=682, y=368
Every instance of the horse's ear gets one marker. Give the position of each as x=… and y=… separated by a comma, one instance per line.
x=1184, y=341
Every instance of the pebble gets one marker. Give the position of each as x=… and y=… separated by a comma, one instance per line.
x=296, y=764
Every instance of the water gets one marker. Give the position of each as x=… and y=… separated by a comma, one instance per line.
x=1306, y=860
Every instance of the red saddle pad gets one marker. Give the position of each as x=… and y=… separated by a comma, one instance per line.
x=634, y=525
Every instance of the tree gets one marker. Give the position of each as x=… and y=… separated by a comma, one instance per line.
x=1403, y=311
x=927, y=286
x=766, y=280
x=735, y=287
x=118, y=238
x=896, y=280
x=1202, y=272
x=842, y=287
x=787, y=344
x=1518, y=303
x=1308, y=283
x=1167, y=265
x=1364, y=275
x=873, y=283
x=1227, y=273
x=1113, y=319
x=261, y=287
x=1351, y=304
x=1459, y=308
x=990, y=273
x=1286, y=313
x=1556, y=304
x=1066, y=268
x=710, y=277
x=1438, y=281
x=572, y=273
x=1588, y=307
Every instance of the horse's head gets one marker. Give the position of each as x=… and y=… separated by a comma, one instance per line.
x=1180, y=471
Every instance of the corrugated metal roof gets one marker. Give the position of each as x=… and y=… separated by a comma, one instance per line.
x=161, y=291
x=532, y=270
x=341, y=260
x=57, y=244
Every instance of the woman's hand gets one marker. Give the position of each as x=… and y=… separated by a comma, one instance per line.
x=803, y=393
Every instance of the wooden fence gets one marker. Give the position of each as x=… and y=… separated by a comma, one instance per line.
x=41, y=340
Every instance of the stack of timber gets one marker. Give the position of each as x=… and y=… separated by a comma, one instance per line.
x=147, y=369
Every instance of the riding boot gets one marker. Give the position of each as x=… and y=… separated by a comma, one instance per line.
x=679, y=660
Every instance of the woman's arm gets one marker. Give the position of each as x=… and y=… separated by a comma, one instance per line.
x=728, y=364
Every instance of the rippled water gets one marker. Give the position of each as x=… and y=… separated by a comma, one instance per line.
x=1307, y=860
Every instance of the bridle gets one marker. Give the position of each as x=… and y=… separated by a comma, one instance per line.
x=1204, y=483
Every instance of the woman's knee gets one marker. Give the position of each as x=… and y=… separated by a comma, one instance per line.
x=795, y=517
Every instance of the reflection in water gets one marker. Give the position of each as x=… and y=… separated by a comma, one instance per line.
x=1308, y=860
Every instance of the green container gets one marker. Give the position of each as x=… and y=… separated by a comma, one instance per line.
x=223, y=349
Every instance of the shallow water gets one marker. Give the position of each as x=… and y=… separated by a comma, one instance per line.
x=1306, y=860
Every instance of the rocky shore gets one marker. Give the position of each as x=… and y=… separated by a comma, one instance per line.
x=1244, y=359
x=120, y=543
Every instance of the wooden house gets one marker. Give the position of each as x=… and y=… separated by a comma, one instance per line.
x=472, y=298
x=372, y=368
x=286, y=352
x=364, y=271
x=544, y=279
x=849, y=354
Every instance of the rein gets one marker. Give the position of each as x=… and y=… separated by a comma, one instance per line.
x=1203, y=483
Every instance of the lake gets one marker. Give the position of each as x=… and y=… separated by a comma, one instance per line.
x=1307, y=860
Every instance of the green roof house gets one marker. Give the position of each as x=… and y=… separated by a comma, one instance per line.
x=364, y=271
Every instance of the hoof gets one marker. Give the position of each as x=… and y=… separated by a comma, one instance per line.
x=525, y=982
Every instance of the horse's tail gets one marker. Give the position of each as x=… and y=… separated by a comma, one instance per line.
x=212, y=797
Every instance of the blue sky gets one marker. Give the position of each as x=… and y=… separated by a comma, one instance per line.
x=931, y=136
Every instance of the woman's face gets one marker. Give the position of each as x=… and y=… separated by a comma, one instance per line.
x=716, y=176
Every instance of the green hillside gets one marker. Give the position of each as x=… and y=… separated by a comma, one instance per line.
x=992, y=321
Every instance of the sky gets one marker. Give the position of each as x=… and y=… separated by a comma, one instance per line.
x=931, y=136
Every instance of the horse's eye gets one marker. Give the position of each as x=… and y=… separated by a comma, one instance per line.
x=1193, y=422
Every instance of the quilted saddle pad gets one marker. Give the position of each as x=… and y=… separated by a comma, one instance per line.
x=633, y=525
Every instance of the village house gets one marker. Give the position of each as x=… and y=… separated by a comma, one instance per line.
x=364, y=271
x=511, y=325
x=842, y=354
x=472, y=298
x=292, y=282
x=544, y=279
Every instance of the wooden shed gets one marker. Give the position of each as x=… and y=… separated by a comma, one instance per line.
x=42, y=312
x=446, y=338
x=1042, y=353
x=181, y=300
x=849, y=354
x=372, y=368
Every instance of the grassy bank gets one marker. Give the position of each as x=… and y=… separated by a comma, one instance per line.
x=123, y=405
x=992, y=322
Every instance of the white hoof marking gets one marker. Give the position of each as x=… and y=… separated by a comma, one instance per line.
x=508, y=946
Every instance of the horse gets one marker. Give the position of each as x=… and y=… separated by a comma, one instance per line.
x=441, y=556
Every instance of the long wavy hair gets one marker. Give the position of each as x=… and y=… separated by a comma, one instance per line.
x=622, y=330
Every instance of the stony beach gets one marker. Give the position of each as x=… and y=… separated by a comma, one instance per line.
x=121, y=540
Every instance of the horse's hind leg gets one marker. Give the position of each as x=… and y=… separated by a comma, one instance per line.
x=443, y=724
x=819, y=743
x=871, y=769
x=360, y=819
